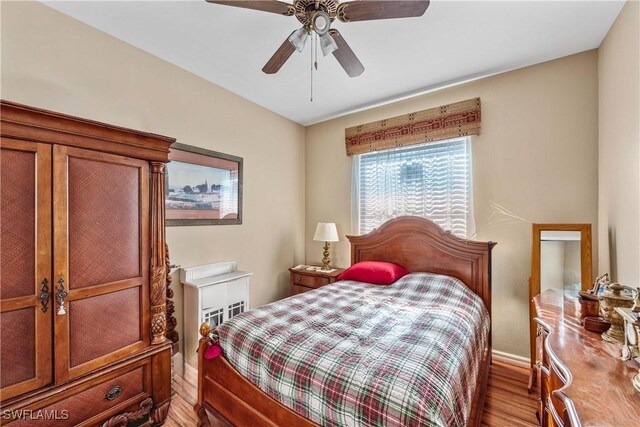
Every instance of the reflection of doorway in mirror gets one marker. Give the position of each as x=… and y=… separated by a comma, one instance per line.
x=560, y=263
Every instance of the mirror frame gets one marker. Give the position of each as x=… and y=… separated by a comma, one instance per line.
x=586, y=268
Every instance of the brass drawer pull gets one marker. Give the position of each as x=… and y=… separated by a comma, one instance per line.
x=298, y=279
x=114, y=393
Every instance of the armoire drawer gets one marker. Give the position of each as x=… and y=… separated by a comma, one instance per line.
x=92, y=402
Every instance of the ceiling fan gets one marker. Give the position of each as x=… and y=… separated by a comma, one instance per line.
x=317, y=16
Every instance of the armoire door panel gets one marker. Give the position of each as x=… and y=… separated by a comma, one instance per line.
x=17, y=223
x=18, y=346
x=25, y=267
x=117, y=326
x=103, y=196
x=100, y=201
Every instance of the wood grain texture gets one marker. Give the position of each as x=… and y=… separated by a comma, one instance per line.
x=368, y=10
x=420, y=245
x=73, y=216
x=576, y=365
x=507, y=403
x=534, y=280
x=306, y=280
x=54, y=138
x=345, y=56
x=38, y=125
x=172, y=322
x=158, y=282
x=278, y=59
x=38, y=353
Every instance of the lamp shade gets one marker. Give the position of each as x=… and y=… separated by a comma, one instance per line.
x=328, y=44
x=298, y=38
x=326, y=232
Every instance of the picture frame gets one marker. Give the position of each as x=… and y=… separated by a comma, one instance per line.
x=202, y=187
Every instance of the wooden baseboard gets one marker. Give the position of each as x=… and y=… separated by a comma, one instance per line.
x=511, y=359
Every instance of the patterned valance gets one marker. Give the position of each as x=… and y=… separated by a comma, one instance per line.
x=435, y=124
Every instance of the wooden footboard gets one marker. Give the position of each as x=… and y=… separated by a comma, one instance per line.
x=477, y=405
x=222, y=390
x=225, y=392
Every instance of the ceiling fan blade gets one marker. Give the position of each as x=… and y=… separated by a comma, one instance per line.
x=345, y=55
x=281, y=56
x=365, y=10
x=272, y=6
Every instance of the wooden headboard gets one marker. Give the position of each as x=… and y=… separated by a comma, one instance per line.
x=419, y=245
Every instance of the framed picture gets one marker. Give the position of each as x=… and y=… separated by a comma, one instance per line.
x=202, y=187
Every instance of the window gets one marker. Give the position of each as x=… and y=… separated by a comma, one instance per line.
x=429, y=180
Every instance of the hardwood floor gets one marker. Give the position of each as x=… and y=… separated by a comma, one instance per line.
x=507, y=403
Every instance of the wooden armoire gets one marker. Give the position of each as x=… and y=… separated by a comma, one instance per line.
x=82, y=273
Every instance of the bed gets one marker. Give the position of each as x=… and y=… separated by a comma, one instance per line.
x=300, y=336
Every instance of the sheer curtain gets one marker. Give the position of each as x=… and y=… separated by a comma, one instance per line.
x=430, y=180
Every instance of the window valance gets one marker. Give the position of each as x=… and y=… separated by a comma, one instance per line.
x=435, y=124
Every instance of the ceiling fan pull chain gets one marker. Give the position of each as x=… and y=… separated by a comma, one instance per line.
x=311, y=50
x=315, y=42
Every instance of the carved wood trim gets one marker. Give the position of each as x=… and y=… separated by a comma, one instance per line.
x=39, y=125
x=171, y=333
x=159, y=413
x=420, y=245
x=122, y=420
x=158, y=292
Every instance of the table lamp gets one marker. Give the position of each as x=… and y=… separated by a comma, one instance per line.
x=326, y=232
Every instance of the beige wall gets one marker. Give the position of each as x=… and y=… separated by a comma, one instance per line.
x=52, y=61
x=537, y=156
x=619, y=148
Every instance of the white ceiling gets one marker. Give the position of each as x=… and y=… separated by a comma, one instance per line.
x=453, y=42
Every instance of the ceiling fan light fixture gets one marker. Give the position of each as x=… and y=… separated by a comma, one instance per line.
x=327, y=44
x=321, y=22
x=299, y=38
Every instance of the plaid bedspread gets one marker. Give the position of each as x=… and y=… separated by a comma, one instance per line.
x=354, y=354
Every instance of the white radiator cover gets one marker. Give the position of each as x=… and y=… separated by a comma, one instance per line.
x=213, y=293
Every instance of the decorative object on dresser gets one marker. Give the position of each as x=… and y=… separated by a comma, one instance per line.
x=631, y=329
x=306, y=278
x=581, y=382
x=326, y=232
x=204, y=187
x=213, y=293
x=561, y=260
x=588, y=308
x=83, y=282
x=416, y=243
x=616, y=295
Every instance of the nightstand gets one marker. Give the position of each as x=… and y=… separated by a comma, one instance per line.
x=307, y=280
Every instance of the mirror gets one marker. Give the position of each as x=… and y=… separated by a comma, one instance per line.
x=561, y=261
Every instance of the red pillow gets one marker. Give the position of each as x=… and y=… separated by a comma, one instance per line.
x=375, y=272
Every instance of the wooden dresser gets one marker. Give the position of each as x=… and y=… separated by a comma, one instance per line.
x=83, y=272
x=580, y=382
